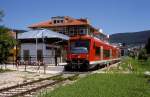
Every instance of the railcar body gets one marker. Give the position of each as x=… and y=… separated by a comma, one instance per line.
x=86, y=52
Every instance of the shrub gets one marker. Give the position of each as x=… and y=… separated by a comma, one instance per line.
x=142, y=55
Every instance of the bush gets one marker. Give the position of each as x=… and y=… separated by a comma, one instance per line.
x=147, y=47
x=142, y=55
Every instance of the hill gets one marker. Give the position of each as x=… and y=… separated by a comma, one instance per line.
x=131, y=38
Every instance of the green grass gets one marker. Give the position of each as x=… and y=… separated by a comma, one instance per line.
x=138, y=65
x=114, y=83
x=75, y=77
x=105, y=85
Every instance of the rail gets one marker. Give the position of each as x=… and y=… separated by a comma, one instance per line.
x=27, y=88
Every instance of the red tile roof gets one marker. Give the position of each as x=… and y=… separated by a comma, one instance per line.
x=71, y=21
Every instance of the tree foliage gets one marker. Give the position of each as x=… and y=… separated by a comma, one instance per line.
x=1, y=15
x=142, y=55
x=7, y=42
x=147, y=47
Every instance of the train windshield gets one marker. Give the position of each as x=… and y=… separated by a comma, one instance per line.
x=78, y=50
x=81, y=46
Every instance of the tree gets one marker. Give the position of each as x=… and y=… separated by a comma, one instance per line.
x=147, y=47
x=1, y=15
x=142, y=55
x=7, y=42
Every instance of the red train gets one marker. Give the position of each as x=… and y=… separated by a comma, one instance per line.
x=86, y=52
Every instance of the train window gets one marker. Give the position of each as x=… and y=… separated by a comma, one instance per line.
x=97, y=51
x=106, y=53
x=80, y=43
x=79, y=50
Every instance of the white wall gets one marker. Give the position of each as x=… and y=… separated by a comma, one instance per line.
x=32, y=50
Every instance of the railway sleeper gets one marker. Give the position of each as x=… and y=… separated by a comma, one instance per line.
x=5, y=95
x=23, y=90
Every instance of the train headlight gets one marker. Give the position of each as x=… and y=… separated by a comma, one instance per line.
x=79, y=56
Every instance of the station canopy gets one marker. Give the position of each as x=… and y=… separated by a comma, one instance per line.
x=33, y=34
x=49, y=37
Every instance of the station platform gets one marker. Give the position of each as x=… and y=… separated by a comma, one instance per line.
x=50, y=69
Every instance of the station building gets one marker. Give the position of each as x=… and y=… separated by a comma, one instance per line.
x=42, y=45
x=45, y=44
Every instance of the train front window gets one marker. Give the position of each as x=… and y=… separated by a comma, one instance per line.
x=78, y=50
x=81, y=46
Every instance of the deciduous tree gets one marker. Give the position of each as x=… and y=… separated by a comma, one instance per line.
x=7, y=42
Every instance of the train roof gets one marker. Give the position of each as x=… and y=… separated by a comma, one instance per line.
x=96, y=39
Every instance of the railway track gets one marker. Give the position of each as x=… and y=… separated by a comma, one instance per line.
x=26, y=89
x=29, y=88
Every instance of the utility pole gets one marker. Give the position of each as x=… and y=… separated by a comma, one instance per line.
x=16, y=60
x=43, y=52
x=17, y=49
x=36, y=47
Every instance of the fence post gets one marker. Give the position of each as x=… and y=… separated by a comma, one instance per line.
x=44, y=68
x=17, y=63
x=25, y=66
x=108, y=67
x=5, y=66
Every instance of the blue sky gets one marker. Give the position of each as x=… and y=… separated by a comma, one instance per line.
x=113, y=16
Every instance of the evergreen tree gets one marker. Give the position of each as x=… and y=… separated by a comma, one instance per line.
x=147, y=47
x=142, y=55
x=1, y=15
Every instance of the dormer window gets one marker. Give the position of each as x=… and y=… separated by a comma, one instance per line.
x=58, y=21
x=61, y=21
x=54, y=21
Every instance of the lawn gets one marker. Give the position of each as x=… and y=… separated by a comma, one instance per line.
x=105, y=85
x=139, y=66
x=117, y=84
x=133, y=65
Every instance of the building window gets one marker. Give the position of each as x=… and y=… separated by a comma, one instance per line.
x=71, y=33
x=106, y=53
x=39, y=55
x=61, y=32
x=53, y=51
x=61, y=21
x=26, y=55
x=97, y=51
x=54, y=21
x=58, y=21
x=82, y=31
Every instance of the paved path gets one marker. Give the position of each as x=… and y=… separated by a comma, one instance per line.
x=38, y=69
x=32, y=73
